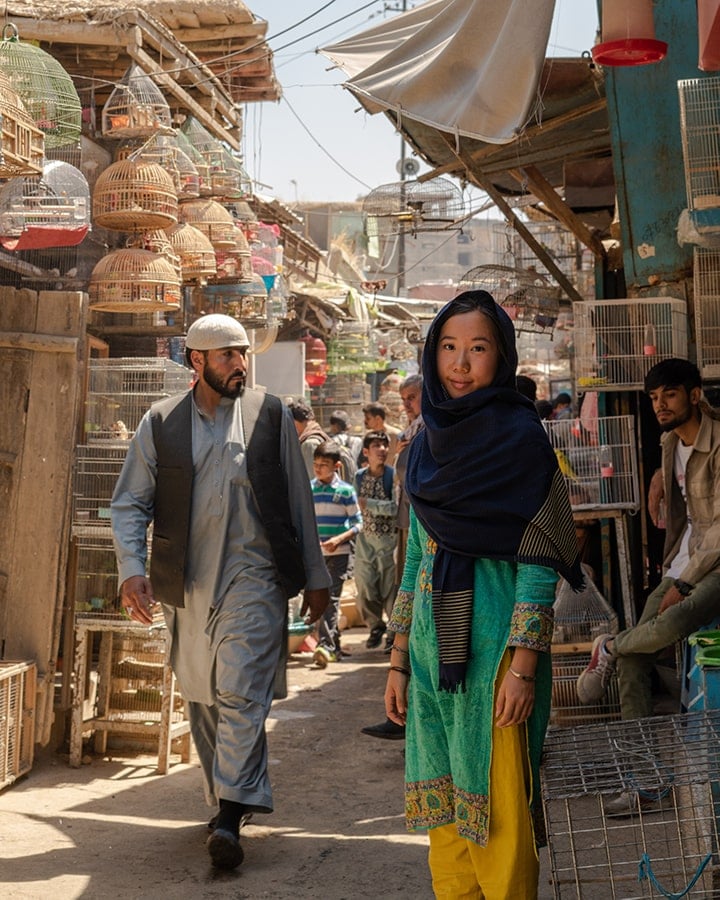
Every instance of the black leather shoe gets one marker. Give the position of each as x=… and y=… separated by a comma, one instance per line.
x=388, y=730
x=224, y=849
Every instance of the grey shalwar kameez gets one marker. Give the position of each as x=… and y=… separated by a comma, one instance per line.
x=226, y=640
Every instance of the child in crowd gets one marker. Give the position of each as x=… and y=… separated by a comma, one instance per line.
x=339, y=520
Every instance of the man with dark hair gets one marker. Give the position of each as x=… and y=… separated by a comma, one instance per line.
x=308, y=429
x=561, y=407
x=688, y=596
x=375, y=417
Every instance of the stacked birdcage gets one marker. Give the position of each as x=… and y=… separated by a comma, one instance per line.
x=134, y=195
x=199, y=161
x=700, y=132
x=598, y=460
x=17, y=719
x=134, y=281
x=215, y=222
x=194, y=251
x=244, y=300
x=135, y=108
x=225, y=172
x=706, y=277
x=664, y=839
x=22, y=143
x=350, y=350
x=618, y=341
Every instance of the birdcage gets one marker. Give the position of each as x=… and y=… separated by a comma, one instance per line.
x=194, y=251
x=700, y=132
x=618, y=341
x=136, y=107
x=212, y=219
x=95, y=588
x=528, y=298
x=45, y=88
x=246, y=219
x=225, y=172
x=669, y=768
x=96, y=470
x=243, y=300
x=350, y=350
x=133, y=195
x=22, y=146
x=706, y=276
x=134, y=281
x=198, y=160
x=121, y=389
x=17, y=719
x=598, y=460
x=413, y=207
x=48, y=210
x=188, y=177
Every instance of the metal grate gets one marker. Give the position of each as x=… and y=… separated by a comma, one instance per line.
x=706, y=277
x=17, y=708
x=618, y=341
x=700, y=132
x=675, y=762
x=566, y=709
x=97, y=467
x=598, y=459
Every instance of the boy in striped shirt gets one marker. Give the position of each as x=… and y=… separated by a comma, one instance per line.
x=339, y=520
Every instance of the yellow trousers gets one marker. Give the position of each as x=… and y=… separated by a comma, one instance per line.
x=507, y=868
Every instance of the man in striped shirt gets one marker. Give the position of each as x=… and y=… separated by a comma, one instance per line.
x=339, y=520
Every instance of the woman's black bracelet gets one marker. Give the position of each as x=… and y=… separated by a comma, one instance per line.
x=400, y=669
x=400, y=650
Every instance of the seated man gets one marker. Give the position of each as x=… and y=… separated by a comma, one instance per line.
x=688, y=596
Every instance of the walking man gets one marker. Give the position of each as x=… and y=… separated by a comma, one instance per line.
x=219, y=472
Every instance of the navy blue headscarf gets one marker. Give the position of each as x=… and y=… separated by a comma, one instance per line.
x=484, y=482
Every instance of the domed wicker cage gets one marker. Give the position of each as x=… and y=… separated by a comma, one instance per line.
x=136, y=108
x=413, y=206
x=530, y=300
x=44, y=87
x=195, y=252
x=157, y=241
x=48, y=210
x=212, y=219
x=23, y=144
x=134, y=281
x=133, y=195
x=199, y=161
x=235, y=262
x=165, y=151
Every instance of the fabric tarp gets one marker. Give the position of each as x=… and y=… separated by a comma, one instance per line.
x=468, y=67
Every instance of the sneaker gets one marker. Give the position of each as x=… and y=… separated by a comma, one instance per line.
x=633, y=803
x=375, y=637
x=593, y=682
x=322, y=656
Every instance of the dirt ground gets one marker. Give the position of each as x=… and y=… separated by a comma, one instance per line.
x=114, y=828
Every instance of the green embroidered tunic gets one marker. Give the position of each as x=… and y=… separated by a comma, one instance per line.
x=449, y=736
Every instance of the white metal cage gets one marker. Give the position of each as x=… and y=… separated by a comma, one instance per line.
x=59, y=199
x=706, y=277
x=700, y=132
x=96, y=470
x=598, y=460
x=618, y=341
x=670, y=768
x=17, y=718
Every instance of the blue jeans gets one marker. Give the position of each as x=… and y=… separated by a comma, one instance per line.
x=328, y=631
x=636, y=648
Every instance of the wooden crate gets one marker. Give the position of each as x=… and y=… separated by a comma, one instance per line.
x=17, y=720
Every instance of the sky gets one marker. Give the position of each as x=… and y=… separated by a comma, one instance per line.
x=314, y=145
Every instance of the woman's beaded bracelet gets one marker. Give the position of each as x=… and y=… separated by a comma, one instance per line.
x=400, y=669
x=521, y=676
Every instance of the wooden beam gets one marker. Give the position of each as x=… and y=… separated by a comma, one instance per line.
x=48, y=343
x=254, y=31
x=544, y=191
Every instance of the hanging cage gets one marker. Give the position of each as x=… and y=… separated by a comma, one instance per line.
x=132, y=195
x=45, y=88
x=413, y=206
x=198, y=160
x=195, y=252
x=136, y=107
x=225, y=172
x=134, y=281
x=243, y=300
x=237, y=261
x=47, y=210
x=212, y=219
x=22, y=143
x=527, y=297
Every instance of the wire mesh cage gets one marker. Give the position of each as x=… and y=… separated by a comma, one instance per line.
x=198, y=160
x=96, y=589
x=136, y=107
x=212, y=219
x=17, y=717
x=581, y=616
x=668, y=769
x=47, y=210
x=618, y=341
x=706, y=277
x=236, y=261
x=164, y=150
x=243, y=300
x=23, y=144
x=350, y=350
x=566, y=710
x=120, y=391
x=46, y=89
x=700, y=133
x=134, y=281
x=194, y=251
x=225, y=173
x=134, y=195
x=598, y=460
x=528, y=298
x=95, y=472
x=413, y=206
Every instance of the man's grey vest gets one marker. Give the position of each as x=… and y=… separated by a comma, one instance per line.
x=172, y=433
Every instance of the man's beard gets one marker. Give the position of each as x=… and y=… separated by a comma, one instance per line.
x=213, y=380
x=677, y=421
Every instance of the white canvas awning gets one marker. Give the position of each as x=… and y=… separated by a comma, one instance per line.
x=468, y=67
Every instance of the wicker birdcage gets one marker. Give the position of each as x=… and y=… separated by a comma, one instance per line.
x=133, y=195
x=22, y=146
x=194, y=250
x=134, y=281
x=157, y=241
x=212, y=219
x=225, y=173
x=527, y=297
x=136, y=108
x=45, y=88
x=48, y=210
x=199, y=161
